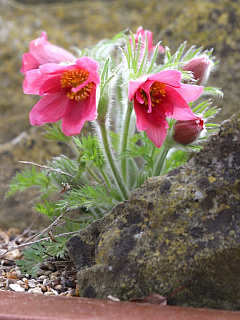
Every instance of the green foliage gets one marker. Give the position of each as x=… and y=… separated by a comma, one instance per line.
x=32, y=259
x=37, y=253
x=29, y=178
x=176, y=158
x=89, y=197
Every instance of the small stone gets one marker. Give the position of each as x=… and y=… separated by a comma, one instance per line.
x=56, y=274
x=43, y=288
x=40, y=272
x=58, y=287
x=16, y=273
x=32, y=283
x=47, y=273
x=25, y=286
x=36, y=290
x=42, y=277
x=49, y=293
x=16, y=287
x=46, y=282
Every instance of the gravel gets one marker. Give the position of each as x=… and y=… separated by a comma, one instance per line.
x=55, y=277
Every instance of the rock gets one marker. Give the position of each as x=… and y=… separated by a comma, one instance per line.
x=177, y=229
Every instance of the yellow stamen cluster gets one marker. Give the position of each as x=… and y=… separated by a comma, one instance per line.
x=74, y=78
x=156, y=91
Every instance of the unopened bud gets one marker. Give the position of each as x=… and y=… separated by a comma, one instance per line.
x=200, y=68
x=187, y=131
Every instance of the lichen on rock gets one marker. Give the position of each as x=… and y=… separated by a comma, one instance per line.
x=177, y=229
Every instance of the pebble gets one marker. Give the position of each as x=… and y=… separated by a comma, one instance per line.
x=44, y=289
x=16, y=287
x=58, y=287
x=35, y=290
x=40, y=272
x=49, y=293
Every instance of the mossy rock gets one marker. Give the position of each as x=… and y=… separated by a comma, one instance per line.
x=177, y=229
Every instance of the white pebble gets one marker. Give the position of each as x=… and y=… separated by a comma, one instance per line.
x=32, y=283
x=35, y=290
x=16, y=287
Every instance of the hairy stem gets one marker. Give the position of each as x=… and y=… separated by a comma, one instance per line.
x=161, y=159
x=111, y=160
x=125, y=139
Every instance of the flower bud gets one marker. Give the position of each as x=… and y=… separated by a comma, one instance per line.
x=187, y=131
x=200, y=68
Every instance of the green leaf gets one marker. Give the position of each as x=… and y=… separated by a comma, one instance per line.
x=88, y=197
x=175, y=159
x=213, y=91
x=54, y=132
x=29, y=178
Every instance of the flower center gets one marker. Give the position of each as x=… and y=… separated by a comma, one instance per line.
x=156, y=91
x=74, y=78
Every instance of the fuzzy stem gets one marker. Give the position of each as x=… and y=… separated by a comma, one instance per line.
x=125, y=139
x=111, y=159
x=92, y=173
x=105, y=178
x=161, y=158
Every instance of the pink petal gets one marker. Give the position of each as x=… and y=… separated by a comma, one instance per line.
x=175, y=106
x=44, y=52
x=142, y=122
x=134, y=86
x=170, y=77
x=91, y=66
x=50, y=108
x=189, y=92
x=85, y=110
x=28, y=63
x=139, y=97
x=32, y=82
x=157, y=133
x=51, y=85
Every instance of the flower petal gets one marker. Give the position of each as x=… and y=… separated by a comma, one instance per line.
x=50, y=108
x=141, y=114
x=175, y=106
x=32, y=82
x=84, y=110
x=45, y=52
x=170, y=77
x=51, y=85
x=157, y=133
x=134, y=86
x=28, y=63
x=189, y=92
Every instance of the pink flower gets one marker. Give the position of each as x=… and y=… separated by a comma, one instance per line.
x=148, y=34
x=159, y=96
x=69, y=93
x=186, y=132
x=41, y=51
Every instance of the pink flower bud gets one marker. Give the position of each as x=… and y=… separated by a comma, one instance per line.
x=187, y=131
x=200, y=68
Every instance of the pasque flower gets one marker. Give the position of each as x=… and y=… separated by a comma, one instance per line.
x=159, y=96
x=69, y=93
x=187, y=131
x=200, y=67
x=148, y=34
x=41, y=51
